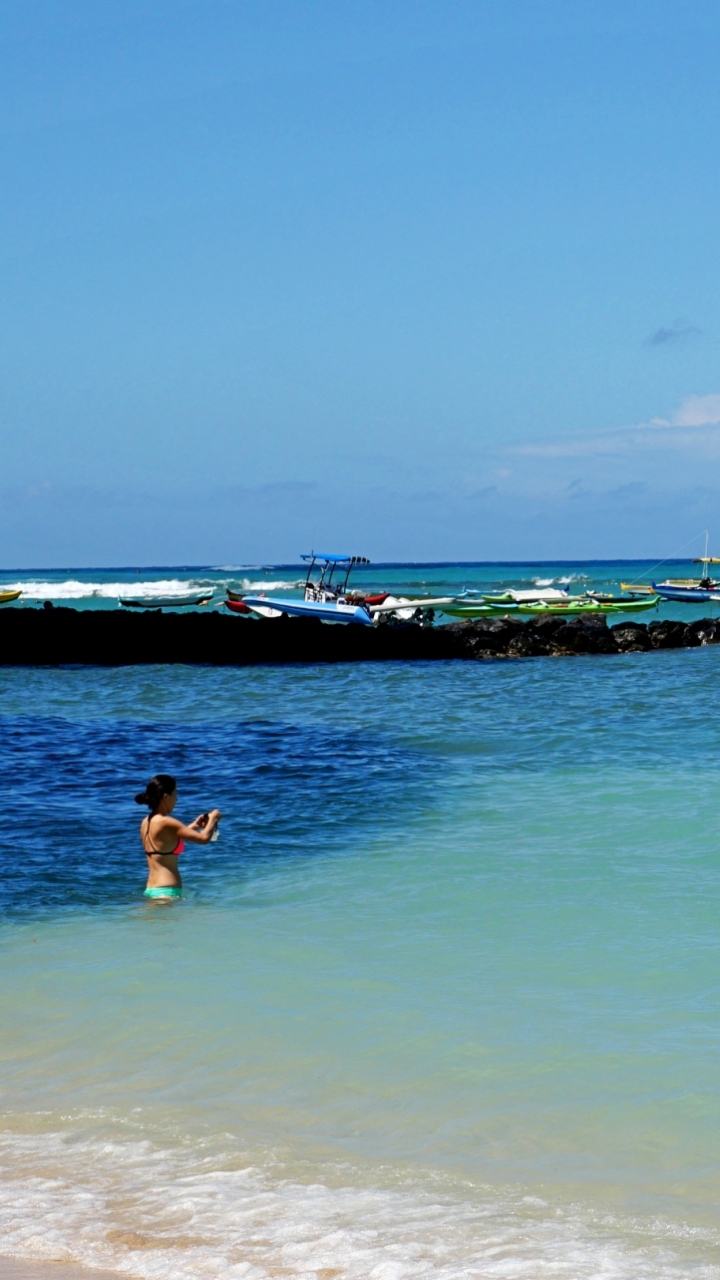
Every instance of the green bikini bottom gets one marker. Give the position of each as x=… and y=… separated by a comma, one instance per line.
x=164, y=891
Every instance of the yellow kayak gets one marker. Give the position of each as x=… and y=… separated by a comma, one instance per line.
x=7, y=596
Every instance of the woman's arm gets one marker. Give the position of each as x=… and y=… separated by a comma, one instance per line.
x=200, y=831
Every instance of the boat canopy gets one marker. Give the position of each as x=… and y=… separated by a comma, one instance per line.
x=325, y=566
x=334, y=559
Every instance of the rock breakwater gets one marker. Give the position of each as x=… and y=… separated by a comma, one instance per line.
x=514, y=638
x=62, y=636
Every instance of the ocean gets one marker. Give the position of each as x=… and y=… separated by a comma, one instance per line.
x=442, y=1001
x=102, y=588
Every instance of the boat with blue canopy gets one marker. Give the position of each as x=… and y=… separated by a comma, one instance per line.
x=324, y=594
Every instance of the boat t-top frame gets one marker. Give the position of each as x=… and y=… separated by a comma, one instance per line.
x=323, y=588
x=706, y=582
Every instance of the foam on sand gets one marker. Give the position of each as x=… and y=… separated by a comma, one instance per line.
x=192, y=1209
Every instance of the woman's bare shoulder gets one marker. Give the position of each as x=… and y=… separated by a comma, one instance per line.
x=163, y=821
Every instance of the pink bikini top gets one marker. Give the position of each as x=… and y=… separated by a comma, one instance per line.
x=179, y=847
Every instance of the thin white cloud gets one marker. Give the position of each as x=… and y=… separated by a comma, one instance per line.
x=664, y=455
x=698, y=411
x=695, y=415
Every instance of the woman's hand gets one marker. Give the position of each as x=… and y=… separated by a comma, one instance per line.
x=205, y=819
x=202, y=828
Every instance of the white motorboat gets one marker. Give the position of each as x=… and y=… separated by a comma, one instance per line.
x=323, y=597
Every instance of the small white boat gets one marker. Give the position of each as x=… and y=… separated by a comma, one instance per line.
x=167, y=602
x=408, y=607
x=523, y=597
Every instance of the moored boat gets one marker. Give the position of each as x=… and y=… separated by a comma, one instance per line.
x=638, y=588
x=7, y=596
x=405, y=608
x=167, y=602
x=462, y=607
x=688, y=594
x=323, y=597
x=633, y=603
x=692, y=590
x=525, y=597
x=325, y=610
x=238, y=605
x=584, y=604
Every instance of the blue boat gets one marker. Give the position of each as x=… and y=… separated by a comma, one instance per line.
x=326, y=610
x=692, y=590
x=691, y=595
x=324, y=596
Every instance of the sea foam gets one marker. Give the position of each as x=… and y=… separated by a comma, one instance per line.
x=74, y=589
x=185, y=1212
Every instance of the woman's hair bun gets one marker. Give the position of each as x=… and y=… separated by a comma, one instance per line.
x=163, y=784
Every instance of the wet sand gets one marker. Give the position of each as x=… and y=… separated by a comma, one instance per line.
x=16, y=1269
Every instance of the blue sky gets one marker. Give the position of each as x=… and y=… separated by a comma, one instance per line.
x=421, y=280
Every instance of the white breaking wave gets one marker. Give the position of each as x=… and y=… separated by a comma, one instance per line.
x=563, y=581
x=185, y=1213
x=73, y=589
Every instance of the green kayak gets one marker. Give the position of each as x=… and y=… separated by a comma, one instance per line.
x=477, y=609
x=591, y=606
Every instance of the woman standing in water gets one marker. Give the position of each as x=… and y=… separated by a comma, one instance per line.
x=164, y=837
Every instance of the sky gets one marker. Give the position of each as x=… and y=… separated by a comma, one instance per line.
x=410, y=279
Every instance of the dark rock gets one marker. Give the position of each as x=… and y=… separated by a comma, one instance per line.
x=526, y=645
x=106, y=637
x=545, y=625
x=668, y=634
x=593, y=621
x=580, y=635
x=705, y=630
x=492, y=634
x=640, y=627
x=631, y=637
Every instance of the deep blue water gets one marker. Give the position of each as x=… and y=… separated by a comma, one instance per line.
x=343, y=752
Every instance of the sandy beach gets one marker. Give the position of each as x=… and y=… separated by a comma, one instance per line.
x=16, y=1269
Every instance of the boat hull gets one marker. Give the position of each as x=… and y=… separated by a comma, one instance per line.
x=526, y=597
x=571, y=608
x=262, y=611
x=468, y=609
x=593, y=606
x=7, y=596
x=690, y=595
x=326, y=611
x=167, y=602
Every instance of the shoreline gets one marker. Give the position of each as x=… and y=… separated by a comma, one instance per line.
x=95, y=637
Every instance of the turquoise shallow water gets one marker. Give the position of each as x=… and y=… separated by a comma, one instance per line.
x=103, y=588
x=443, y=999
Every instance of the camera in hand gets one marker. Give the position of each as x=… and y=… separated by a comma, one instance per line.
x=205, y=817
